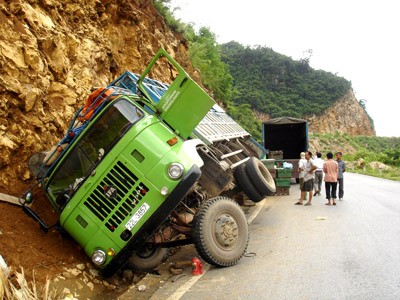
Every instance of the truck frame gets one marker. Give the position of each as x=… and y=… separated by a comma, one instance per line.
x=147, y=165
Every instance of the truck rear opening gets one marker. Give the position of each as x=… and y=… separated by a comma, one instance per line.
x=286, y=134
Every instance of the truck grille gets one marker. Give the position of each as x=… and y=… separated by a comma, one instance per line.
x=114, y=199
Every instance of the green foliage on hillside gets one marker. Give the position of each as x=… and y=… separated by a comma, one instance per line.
x=368, y=148
x=368, y=143
x=373, y=148
x=243, y=115
x=204, y=53
x=277, y=85
x=163, y=7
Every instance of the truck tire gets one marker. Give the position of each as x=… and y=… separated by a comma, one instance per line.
x=148, y=258
x=220, y=232
x=260, y=176
x=244, y=182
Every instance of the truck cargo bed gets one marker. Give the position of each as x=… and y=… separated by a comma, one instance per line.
x=217, y=125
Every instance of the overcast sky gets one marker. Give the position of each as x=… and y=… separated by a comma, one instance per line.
x=358, y=40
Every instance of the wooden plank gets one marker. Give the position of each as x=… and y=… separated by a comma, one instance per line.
x=9, y=199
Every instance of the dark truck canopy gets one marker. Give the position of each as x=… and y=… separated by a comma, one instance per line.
x=287, y=134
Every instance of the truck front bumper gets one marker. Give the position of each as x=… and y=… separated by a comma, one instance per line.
x=154, y=222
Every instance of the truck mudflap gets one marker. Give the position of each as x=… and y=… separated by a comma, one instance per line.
x=154, y=222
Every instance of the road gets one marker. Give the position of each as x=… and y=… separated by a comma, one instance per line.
x=347, y=251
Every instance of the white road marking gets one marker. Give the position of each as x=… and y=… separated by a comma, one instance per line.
x=192, y=281
x=259, y=205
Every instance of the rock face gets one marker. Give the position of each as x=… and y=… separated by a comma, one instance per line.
x=53, y=52
x=345, y=116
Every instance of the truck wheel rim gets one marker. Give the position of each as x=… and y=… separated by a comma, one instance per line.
x=226, y=231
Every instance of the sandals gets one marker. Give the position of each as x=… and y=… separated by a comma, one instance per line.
x=307, y=204
x=298, y=203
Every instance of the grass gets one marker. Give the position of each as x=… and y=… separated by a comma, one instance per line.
x=367, y=149
x=392, y=174
x=16, y=287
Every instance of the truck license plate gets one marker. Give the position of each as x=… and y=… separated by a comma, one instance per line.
x=137, y=216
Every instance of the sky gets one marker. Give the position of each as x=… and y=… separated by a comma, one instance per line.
x=354, y=39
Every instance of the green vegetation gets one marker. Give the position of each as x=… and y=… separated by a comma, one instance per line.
x=392, y=173
x=205, y=56
x=163, y=7
x=279, y=86
x=362, y=152
x=241, y=115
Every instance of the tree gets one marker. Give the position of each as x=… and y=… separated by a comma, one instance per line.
x=205, y=55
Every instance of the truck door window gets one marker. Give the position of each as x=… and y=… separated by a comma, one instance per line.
x=96, y=142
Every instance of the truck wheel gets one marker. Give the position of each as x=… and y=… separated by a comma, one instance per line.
x=148, y=258
x=246, y=185
x=260, y=176
x=220, y=232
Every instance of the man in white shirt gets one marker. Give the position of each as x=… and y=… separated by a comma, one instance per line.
x=302, y=162
x=309, y=167
x=319, y=162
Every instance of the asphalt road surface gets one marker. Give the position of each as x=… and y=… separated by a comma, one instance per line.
x=347, y=251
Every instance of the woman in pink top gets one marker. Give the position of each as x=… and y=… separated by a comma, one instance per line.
x=331, y=171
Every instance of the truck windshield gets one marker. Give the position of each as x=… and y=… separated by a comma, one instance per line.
x=92, y=147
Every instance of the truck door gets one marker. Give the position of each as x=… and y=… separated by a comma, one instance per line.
x=184, y=104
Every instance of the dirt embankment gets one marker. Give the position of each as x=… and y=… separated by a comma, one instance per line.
x=51, y=54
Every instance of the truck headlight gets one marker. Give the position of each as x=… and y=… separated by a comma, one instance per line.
x=175, y=170
x=99, y=257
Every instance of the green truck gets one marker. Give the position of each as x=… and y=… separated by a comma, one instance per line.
x=145, y=166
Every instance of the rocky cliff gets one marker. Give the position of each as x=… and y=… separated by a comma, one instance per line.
x=345, y=116
x=53, y=52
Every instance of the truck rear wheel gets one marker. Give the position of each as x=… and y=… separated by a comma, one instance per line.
x=244, y=182
x=260, y=176
x=148, y=258
x=220, y=232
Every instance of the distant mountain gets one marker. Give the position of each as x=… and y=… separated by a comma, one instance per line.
x=279, y=86
x=275, y=85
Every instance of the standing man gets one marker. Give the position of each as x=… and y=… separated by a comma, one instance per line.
x=319, y=162
x=342, y=169
x=308, y=185
x=331, y=176
x=302, y=163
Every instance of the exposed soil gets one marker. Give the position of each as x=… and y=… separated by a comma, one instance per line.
x=50, y=255
x=24, y=244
